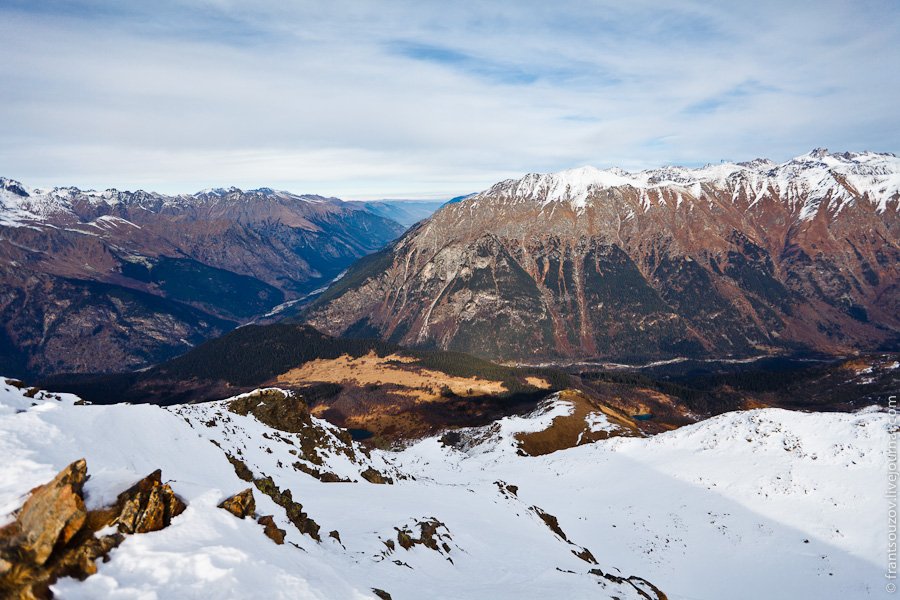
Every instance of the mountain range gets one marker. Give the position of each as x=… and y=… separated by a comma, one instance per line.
x=110, y=281
x=727, y=260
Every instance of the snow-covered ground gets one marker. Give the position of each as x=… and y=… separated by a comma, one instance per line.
x=759, y=504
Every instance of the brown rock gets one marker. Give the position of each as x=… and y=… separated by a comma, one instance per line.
x=52, y=514
x=241, y=504
x=271, y=529
x=148, y=505
x=54, y=536
x=373, y=476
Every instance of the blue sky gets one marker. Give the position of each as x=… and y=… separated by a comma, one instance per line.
x=430, y=99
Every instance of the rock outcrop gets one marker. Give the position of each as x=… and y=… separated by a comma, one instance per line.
x=55, y=536
x=241, y=505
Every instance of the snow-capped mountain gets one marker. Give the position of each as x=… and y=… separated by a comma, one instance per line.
x=759, y=504
x=150, y=275
x=811, y=178
x=731, y=259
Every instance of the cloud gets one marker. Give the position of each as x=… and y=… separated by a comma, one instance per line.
x=365, y=99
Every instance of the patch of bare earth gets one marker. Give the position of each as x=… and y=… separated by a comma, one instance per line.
x=575, y=428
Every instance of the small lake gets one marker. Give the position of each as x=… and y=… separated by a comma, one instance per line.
x=360, y=434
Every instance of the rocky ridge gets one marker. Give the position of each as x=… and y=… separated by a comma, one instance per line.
x=114, y=280
x=727, y=260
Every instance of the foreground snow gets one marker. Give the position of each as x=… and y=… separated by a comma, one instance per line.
x=760, y=504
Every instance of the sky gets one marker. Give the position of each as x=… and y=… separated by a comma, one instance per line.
x=421, y=99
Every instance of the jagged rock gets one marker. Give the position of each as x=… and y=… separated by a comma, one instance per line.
x=373, y=476
x=288, y=412
x=240, y=468
x=551, y=522
x=432, y=534
x=54, y=536
x=271, y=529
x=585, y=555
x=641, y=585
x=323, y=476
x=148, y=505
x=293, y=510
x=52, y=515
x=381, y=594
x=336, y=535
x=275, y=408
x=241, y=504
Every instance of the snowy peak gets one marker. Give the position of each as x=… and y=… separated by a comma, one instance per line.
x=14, y=187
x=24, y=206
x=844, y=176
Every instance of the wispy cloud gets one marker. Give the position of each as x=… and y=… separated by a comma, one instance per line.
x=367, y=99
x=492, y=71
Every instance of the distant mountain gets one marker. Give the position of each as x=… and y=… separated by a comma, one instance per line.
x=405, y=212
x=726, y=260
x=106, y=281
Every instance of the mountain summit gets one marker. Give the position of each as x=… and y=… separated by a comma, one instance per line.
x=112, y=280
x=733, y=259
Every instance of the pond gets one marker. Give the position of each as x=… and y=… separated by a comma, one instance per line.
x=360, y=434
x=644, y=417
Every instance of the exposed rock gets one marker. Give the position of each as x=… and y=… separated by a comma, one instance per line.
x=641, y=585
x=585, y=555
x=294, y=510
x=241, y=504
x=52, y=515
x=148, y=505
x=271, y=529
x=240, y=468
x=275, y=408
x=288, y=412
x=381, y=594
x=54, y=536
x=551, y=522
x=433, y=535
x=373, y=476
x=323, y=476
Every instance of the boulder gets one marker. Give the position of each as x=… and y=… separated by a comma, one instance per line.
x=241, y=504
x=271, y=529
x=148, y=505
x=52, y=515
x=54, y=536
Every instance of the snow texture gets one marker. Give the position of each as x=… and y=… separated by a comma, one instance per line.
x=758, y=504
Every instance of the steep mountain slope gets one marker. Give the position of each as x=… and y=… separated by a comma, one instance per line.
x=731, y=259
x=759, y=504
x=100, y=281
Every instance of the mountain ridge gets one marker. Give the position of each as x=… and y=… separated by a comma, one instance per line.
x=88, y=269
x=728, y=260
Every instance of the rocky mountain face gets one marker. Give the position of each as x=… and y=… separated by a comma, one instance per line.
x=99, y=281
x=726, y=260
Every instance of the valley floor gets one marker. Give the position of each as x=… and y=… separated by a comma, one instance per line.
x=758, y=504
